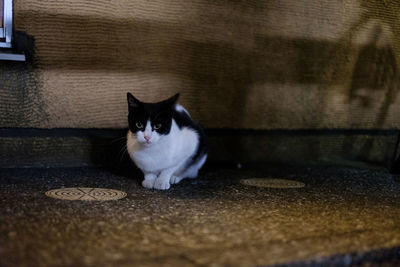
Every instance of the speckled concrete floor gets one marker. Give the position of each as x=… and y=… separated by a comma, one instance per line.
x=344, y=216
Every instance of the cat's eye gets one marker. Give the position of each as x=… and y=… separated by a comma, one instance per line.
x=139, y=125
x=157, y=126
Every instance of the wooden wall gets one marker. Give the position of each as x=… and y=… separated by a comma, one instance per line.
x=263, y=65
x=238, y=64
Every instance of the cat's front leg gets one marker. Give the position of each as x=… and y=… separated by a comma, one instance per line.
x=149, y=179
x=162, y=181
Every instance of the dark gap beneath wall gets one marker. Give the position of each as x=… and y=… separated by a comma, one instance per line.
x=66, y=147
x=395, y=166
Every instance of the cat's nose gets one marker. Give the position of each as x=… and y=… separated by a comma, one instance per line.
x=147, y=138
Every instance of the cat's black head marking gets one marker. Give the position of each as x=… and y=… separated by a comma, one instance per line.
x=159, y=114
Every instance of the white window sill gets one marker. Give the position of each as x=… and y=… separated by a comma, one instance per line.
x=11, y=56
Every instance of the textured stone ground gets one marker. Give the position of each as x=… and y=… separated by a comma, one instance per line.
x=344, y=216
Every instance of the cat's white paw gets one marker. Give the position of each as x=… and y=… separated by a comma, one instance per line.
x=175, y=179
x=148, y=183
x=162, y=184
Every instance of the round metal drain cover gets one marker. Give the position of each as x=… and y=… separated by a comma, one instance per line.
x=87, y=194
x=272, y=183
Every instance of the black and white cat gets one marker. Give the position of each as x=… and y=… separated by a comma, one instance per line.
x=164, y=142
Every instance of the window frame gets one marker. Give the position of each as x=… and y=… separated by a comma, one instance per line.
x=6, y=30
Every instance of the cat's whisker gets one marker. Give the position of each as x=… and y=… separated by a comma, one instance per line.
x=122, y=152
x=118, y=139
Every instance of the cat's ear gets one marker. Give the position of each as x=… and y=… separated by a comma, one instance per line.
x=172, y=100
x=133, y=102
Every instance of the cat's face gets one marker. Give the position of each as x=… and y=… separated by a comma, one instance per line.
x=150, y=122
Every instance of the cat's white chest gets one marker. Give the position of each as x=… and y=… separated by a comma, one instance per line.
x=173, y=149
x=154, y=158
